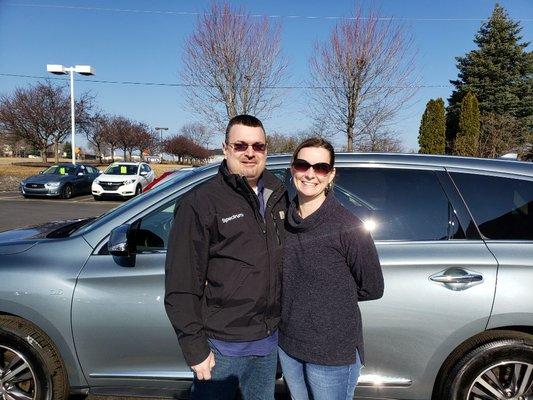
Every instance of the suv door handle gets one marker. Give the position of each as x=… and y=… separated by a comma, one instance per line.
x=457, y=278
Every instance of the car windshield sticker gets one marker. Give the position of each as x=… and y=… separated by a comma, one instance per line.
x=62, y=171
x=123, y=169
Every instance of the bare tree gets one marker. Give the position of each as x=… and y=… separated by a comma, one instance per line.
x=380, y=140
x=95, y=132
x=40, y=115
x=187, y=151
x=198, y=133
x=502, y=134
x=278, y=143
x=362, y=75
x=144, y=139
x=230, y=62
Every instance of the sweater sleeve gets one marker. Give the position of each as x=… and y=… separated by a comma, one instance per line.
x=185, y=276
x=363, y=261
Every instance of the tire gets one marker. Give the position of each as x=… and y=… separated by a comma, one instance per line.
x=97, y=198
x=66, y=193
x=500, y=367
x=138, y=190
x=42, y=375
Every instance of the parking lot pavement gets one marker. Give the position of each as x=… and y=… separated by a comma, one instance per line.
x=16, y=211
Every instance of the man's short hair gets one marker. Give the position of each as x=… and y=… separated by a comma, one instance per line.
x=246, y=120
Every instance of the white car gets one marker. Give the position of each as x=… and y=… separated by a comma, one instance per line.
x=122, y=179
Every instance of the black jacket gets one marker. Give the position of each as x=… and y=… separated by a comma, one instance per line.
x=223, y=265
x=330, y=264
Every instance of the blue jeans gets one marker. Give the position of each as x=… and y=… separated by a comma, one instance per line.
x=319, y=382
x=255, y=376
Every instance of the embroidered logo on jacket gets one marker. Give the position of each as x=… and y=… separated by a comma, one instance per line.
x=235, y=216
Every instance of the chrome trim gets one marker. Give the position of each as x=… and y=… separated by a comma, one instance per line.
x=160, y=376
x=383, y=381
x=364, y=380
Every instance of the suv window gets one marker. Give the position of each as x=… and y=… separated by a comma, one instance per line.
x=501, y=207
x=398, y=204
x=153, y=229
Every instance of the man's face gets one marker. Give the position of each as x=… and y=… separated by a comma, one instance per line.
x=249, y=163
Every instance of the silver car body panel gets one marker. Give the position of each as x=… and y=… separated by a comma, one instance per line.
x=38, y=285
x=118, y=329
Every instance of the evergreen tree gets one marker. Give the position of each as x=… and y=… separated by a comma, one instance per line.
x=499, y=72
x=467, y=141
x=431, y=135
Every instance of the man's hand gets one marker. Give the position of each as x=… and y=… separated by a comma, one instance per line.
x=203, y=370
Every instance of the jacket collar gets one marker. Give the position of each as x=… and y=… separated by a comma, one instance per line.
x=238, y=182
x=299, y=224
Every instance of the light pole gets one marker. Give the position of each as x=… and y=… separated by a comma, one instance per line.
x=59, y=69
x=160, y=129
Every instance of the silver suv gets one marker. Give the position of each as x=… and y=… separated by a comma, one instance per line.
x=81, y=304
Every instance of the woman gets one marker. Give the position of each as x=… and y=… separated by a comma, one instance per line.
x=330, y=264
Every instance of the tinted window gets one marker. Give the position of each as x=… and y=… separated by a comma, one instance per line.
x=501, y=207
x=153, y=229
x=398, y=204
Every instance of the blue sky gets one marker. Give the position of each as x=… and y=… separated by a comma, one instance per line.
x=142, y=41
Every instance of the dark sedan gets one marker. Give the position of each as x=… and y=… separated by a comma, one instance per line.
x=61, y=180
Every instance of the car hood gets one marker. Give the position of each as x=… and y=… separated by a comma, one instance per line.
x=45, y=178
x=115, y=178
x=21, y=239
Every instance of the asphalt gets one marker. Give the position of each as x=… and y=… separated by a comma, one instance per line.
x=16, y=211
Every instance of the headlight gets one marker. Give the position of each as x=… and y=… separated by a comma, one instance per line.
x=129, y=182
x=96, y=181
x=52, y=184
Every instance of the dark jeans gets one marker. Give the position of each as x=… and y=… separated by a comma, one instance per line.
x=255, y=376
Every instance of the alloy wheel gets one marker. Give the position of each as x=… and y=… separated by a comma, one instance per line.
x=510, y=380
x=17, y=378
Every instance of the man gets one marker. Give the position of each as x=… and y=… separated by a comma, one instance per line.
x=223, y=271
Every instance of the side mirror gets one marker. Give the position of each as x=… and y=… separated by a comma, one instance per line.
x=120, y=243
x=144, y=173
x=80, y=174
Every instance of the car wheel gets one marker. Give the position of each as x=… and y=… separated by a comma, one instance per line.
x=138, y=190
x=96, y=198
x=30, y=366
x=66, y=193
x=501, y=368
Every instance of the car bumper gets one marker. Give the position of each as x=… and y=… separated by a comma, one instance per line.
x=121, y=191
x=50, y=192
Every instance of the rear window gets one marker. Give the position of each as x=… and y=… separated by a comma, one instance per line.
x=398, y=204
x=501, y=207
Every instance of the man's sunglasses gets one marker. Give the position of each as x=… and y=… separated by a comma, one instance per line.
x=240, y=146
x=320, y=168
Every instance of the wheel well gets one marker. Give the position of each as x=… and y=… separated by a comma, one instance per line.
x=470, y=344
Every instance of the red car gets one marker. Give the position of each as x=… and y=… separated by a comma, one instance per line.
x=164, y=176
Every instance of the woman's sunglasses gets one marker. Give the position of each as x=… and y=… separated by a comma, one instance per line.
x=320, y=168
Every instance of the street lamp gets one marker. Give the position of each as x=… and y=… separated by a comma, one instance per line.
x=157, y=128
x=59, y=69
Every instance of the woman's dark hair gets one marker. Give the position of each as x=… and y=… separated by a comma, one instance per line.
x=316, y=142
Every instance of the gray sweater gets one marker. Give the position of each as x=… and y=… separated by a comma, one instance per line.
x=330, y=264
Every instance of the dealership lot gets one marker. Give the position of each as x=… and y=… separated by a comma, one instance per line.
x=16, y=211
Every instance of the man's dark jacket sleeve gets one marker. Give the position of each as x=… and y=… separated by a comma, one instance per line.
x=185, y=276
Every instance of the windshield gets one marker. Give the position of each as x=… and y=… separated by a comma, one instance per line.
x=60, y=170
x=121, y=169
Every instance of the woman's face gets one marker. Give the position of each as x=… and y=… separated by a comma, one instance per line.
x=311, y=183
